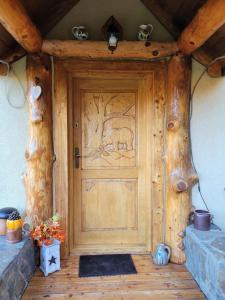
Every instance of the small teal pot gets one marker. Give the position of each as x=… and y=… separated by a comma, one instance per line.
x=162, y=254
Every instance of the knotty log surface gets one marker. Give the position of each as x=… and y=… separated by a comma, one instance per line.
x=210, y=17
x=15, y=19
x=39, y=154
x=179, y=171
x=99, y=49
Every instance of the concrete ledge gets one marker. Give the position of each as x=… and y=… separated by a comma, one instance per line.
x=205, y=260
x=17, y=265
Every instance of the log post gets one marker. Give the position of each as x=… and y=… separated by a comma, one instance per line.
x=39, y=153
x=179, y=171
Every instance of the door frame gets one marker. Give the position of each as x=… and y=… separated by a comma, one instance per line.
x=64, y=70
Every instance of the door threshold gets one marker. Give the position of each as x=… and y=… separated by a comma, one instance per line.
x=78, y=252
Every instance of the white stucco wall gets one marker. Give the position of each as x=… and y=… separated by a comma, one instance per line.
x=13, y=138
x=208, y=142
x=208, y=135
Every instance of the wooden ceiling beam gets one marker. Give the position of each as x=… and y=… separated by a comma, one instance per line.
x=166, y=20
x=3, y=69
x=156, y=8
x=45, y=21
x=92, y=49
x=209, y=18
x=14, y=18
x=11, y=57
x=163, y=17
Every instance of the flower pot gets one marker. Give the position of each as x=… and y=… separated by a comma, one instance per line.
x=14, y=235
x=50, y=257
x=4, y=214
x=2, y=226
x=14, y=230
x=202, y=219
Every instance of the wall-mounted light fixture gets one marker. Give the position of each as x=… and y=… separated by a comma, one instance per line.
x=113, y=32
x=112, y=41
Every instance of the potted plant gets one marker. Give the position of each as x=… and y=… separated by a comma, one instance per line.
x=48, y=237
x=14, y=226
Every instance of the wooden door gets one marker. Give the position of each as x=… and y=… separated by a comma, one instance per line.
x=111, y=178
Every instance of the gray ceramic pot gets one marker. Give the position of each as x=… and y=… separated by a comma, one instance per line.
x=202, y=219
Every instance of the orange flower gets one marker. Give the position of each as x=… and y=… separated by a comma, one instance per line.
x=48, y=242
x=47, y=231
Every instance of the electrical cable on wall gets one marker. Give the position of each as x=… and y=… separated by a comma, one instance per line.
x=7, y=84
x=191, y=111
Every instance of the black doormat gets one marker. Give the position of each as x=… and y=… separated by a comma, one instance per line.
x=102, y=265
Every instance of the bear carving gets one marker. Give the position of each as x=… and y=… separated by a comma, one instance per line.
x=118, y=133
x=119, y=138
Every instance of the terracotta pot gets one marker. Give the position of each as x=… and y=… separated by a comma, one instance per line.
x=14, y=236
x=2, y=226
x=4, y=214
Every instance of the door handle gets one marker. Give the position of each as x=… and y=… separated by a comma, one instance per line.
x=77, y=157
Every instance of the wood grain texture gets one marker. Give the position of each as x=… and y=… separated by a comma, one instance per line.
x=150, y=283
x=11, y=57
x=216, y=69
x=112, y=122
x=160, y=9
x=176, y=15
x=158, y=165
x=61, y=111
x=99, y=49
x=206, y=22
x=3, y=69
x=179, y=171
x=65, y=70
x=39, y=154
x=15, y=19
x=215, y=44
x=45, y=14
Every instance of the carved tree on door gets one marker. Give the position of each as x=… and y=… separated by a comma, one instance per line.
x=108, y=129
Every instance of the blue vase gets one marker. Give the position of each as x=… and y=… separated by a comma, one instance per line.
x=162, y=255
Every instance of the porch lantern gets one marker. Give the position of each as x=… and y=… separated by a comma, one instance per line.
x=112, y=41
x=112, y=31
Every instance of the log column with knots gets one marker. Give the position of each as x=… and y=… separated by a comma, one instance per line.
x=180, y=173
x=39, y=154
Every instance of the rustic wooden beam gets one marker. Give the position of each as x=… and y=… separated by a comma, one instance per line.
x=93, y=49
x=157, y=9
x=45, y=21
x=3, y=69
x=179, y=171
x=39, y=154
x=217, y=69
x=208, y=19
x=10, y=58
x=14, y=18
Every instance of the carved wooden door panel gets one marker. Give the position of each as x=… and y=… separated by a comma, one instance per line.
x=112, y=176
